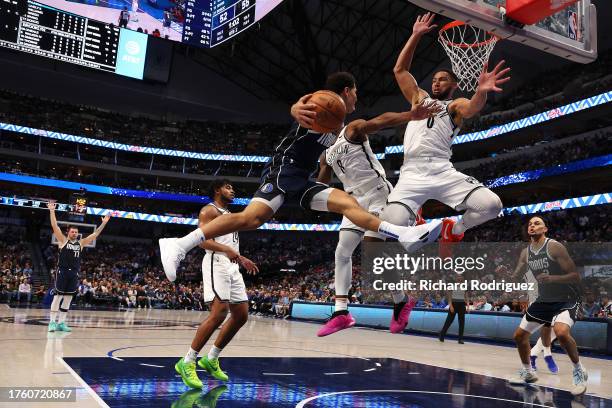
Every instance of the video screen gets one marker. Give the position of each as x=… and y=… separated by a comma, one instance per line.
x=167, y=18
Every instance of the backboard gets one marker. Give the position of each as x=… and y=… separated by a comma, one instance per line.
x=570, y=33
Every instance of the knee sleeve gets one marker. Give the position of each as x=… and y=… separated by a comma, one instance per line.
x=343, y=272
x=65, y=306
x=484, y=201
x=316, y=197
x=398, y=214
x=55, y=305
x=482, y=205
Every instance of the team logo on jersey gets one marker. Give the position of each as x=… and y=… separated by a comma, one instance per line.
x=267, y=188
x=472, y=180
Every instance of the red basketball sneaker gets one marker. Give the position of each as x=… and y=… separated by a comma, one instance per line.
x=447, y=237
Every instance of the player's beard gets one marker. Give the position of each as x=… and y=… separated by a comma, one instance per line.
x=443, y=95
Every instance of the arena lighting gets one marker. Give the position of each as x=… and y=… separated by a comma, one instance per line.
x=522, y=177
x=555, y=205
x=533, y=120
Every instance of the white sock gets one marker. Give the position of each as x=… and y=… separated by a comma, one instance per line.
x=191, y=356
x=398, y=296
x=62, y=316
x=389, y=230
x=55, y=305
x=64, y=306
x=191, y=240
x=214, y=352
x=547, y=352
x=527, y=367
x=537, y=348
x=578, y=365
x=341, y=304
x=459, y=228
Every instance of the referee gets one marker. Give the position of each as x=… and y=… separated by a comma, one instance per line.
x=457, y=301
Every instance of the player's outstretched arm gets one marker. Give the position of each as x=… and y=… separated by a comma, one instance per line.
x=57, y=232
x=559, y=253
x=358, y=130
x=89, y=239
x=487, y=82
x=325, y=171
x=207, y=214
x=404, y=78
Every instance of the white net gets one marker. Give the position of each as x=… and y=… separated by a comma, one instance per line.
x=468, y=48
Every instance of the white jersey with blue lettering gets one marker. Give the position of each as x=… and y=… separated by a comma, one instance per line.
x=430, y=137
x=231, y=239
x=354, y=163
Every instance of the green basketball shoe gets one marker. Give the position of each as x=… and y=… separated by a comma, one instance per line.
x=63, y=327
x=212, y=366
x=188, y=373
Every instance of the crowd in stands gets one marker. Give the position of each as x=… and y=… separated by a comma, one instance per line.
x=546, y=91
x=127, y=274
x=16, y=267
x=597, y=145
x=540, y=93
x=199, y=136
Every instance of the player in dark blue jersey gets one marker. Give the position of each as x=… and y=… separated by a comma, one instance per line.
x=286, y=177
x=556, y=304
x=68, y=268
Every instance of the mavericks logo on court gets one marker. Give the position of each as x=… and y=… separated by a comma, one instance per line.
x=267, y=188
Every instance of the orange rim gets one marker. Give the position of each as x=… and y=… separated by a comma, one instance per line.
x=458, y=23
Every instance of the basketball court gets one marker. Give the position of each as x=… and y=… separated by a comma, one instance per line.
x=126, y=359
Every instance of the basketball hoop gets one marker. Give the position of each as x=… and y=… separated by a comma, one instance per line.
x=468, y=48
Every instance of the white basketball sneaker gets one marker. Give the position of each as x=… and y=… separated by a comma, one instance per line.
x=524, y=377
x=413, y=238
x=171, y=256
x=580, y=378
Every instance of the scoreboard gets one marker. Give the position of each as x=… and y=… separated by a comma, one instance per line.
x=210, y=22
x=52, y=33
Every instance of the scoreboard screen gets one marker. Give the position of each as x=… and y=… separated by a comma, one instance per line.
x=78, y=202
x=49, y=32
x=210, y=22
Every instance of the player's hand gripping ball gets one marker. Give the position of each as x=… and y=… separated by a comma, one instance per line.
x=330, y=109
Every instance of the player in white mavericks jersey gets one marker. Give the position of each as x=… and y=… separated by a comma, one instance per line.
x=427, y=172
x=223, y=287
x=363, y=177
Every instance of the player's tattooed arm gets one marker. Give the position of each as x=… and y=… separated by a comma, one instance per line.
x=89, y=239
x=487, y=82
x=207, y=214
x=408, y=85
x=325, y=171
x=56, y=229
x=559, y=253
x=521, y=266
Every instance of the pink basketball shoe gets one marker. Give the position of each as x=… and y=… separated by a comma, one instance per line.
x=338, y=321
x=399, y=320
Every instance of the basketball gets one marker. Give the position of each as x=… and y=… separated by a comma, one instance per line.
x=331, y=111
